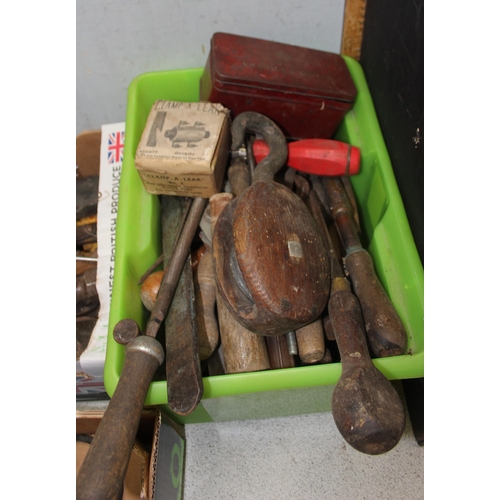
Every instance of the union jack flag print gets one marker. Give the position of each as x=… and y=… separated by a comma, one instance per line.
x=116, y=141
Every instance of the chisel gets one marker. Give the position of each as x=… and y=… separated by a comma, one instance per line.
x=384, y=328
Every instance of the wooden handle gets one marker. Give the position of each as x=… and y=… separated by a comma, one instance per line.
x=244, y=351
x=174, y=267
x=205, y=290
x=311, y=342
x=239, y=176
x=279, y=354
x=365, y=406
x=103, y=470
x=384, y=328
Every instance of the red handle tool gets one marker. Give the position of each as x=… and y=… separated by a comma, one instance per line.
x=317, y=156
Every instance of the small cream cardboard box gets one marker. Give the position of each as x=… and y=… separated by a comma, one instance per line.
x=184, y=148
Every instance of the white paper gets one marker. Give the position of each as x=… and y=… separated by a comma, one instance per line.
x=113, y=135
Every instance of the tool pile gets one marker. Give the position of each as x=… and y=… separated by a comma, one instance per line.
x=267, y=272
x=87, y=298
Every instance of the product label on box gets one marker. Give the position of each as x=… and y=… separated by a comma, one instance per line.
x=112, y=144
x=184, y=147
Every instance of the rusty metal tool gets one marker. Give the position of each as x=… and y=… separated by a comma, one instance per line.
x=87, y=298
x=102, y=472
x=204, y=290
x=182, y=360
x=285, y=287
x=366, y=408
x=384, y=328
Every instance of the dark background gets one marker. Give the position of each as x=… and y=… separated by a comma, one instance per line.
x=392, y=57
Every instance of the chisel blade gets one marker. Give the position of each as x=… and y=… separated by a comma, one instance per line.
x=183, y=370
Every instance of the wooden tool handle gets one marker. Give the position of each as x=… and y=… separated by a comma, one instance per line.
x=311, y=342
x=103, y=470
x=239, y=176
x=205, y=290
x=365, y=406
x=384, y=328
x=279, y=353
x=244, y=351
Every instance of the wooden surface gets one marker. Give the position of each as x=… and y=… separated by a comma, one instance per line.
x=88, y=151
x=352, y=31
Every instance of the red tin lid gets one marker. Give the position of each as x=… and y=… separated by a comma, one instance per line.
x=255, y=63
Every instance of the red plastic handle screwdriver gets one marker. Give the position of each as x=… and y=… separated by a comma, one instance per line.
x=317, y=156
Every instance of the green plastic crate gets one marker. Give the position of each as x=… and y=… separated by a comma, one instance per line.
x=271, y=393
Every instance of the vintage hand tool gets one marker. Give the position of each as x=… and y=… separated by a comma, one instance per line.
x=205, y=290
x=102, y=472
x=271, y=264
x=279, y=352
x=182, y=360
x=243, y=350
x=311, y=342
x=310, y=338
x=87, y=298
x=384, y=328
x=365, y=406
x=315, y=156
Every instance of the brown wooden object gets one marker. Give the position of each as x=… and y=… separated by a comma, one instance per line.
x=103, y=470
x=352, y=33
x=365, y=406
x=311, y=342
x=243, y=350
x=271, y=264
x=279, y=354
x=205, y=290
x=384, y=328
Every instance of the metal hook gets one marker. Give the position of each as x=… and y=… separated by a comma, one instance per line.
x=272, y=134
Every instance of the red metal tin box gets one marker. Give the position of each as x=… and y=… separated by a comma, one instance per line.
x=306, y=92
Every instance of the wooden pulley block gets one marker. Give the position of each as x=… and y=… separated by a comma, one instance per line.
x=270, y=261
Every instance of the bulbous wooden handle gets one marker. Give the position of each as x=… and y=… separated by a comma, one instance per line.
x=366, y=408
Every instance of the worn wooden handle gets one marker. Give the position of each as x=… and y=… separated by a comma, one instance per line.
x=244, y=351
x=103, y=470
x=365, y=406
x=384, y=328
x=311, y=342
x=205, y=289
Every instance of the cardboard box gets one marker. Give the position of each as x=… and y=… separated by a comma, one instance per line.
x=184, y=148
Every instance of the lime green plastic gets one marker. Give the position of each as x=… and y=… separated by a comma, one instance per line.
x=387, y=237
